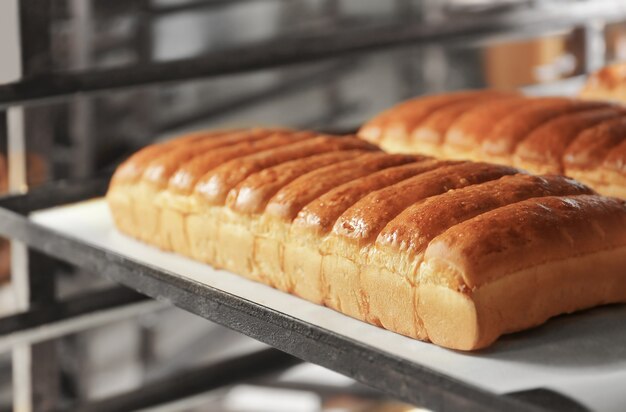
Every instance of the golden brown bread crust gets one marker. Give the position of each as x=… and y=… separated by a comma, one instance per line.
x=435, y=126
x=540, y=135
x=133, y=168
x=289, y=200
x=253, y=194
x=611, y=174
x=412, y=230
x=430, y=249
x=616, y=159
x=159, y=171
x=467, y=132
x=402, y=119
x=321, y=214
x=543, y=149
x=432, y=130
x=594, y=144
x=488, y=246
x=215, y=185
x=607, y=84
x=362, y=222
x=477, y=268
x=187, y=174
x=509, y=132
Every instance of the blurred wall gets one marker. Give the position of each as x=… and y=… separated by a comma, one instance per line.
x=9, y=44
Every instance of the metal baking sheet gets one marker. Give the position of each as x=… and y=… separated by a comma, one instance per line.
x=582, y=356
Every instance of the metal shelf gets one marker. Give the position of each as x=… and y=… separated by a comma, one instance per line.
x=397, y=377
x=313, y=47
x=195, y=381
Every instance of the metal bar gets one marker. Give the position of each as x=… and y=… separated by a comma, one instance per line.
x=324, y=390
x=407, y=381
x=198, y=4
x=565, y=87
x=36, y=377
x=81, y=120
x=87, y=303
x=290, y=51
x=294, y=84
x=594, y=45
x=323, y=123
x=56, y=193
x=80, y=323
x=34, y=19
x=16, y=148
x=204, y=400
x=162, y=10
x=542, y=396
x=192, y=382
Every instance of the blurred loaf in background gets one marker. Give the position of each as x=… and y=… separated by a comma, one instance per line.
x=582, y=139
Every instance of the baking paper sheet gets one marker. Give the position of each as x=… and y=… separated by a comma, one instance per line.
x=582, y=356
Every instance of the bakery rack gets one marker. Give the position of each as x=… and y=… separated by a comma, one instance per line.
x=144, y=287
x=407, y=381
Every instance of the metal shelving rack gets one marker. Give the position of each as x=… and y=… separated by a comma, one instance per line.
x=44, y=316
x=405, y=380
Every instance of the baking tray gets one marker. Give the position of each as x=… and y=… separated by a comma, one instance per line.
x=575, y=362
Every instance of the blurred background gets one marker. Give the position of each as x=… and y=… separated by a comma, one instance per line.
x=84, y=83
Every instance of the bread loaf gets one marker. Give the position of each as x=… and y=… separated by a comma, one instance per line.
x=607, y=84
x=581, y=139
x=447, y=251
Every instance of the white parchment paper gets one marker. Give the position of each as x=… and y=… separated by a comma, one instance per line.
x=582, y=356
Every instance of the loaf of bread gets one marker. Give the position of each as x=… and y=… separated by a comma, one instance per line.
x=607, y=84
x=453, y=252
x=585, y=140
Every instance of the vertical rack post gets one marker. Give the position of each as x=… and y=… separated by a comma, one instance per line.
x=35, y=368
x=595, y=45
x=82, y=116
x=22, y=389
x=407, y=66
x=11, y=70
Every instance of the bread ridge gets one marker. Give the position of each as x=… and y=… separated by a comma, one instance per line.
x=606, y=84
x=540, y=135
x=297, y=253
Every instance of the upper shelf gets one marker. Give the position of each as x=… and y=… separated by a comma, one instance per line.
x=315, y=46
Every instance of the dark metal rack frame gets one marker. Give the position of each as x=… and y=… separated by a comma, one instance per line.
x=392, y=375
x=292, y=51
x=192, y=382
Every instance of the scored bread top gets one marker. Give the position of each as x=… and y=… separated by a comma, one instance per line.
x=404, y=204
x=594, y=144
x=434, y=127
x=408, y=114
x=606, y=84
x=417, y=225
x=616, y=159
x=546, y=145
x=297, y=194
x=253, y=194
x=185, y=178
x=215, y=185
x=506, y=134
x=134, y=168
x=470, y=128
x=542, y=135
x=363, y=221
x=541, y=230
x=321, y=214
